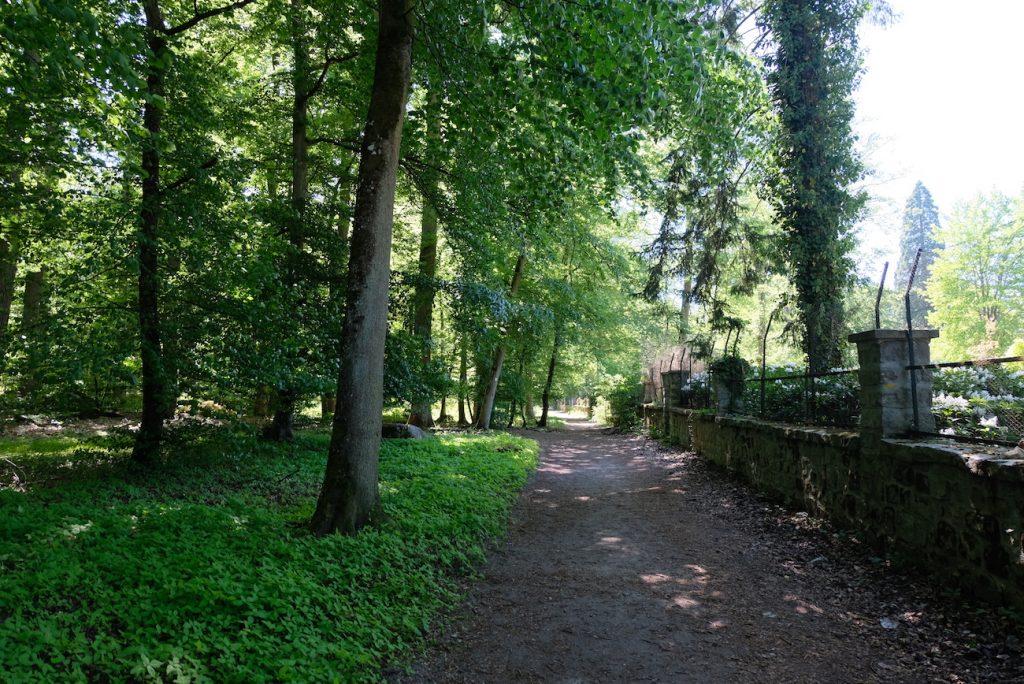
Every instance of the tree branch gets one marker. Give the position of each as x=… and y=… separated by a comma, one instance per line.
x=323, y=72
x=350, y=145
x=203, y=16
x=191, y=176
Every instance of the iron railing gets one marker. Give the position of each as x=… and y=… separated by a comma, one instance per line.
x=830, y=398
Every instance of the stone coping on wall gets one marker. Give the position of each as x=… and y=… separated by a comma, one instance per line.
x=886, y=334
x=803, y=433
x=994, y=462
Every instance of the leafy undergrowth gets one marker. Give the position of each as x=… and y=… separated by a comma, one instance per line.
x=200, y=570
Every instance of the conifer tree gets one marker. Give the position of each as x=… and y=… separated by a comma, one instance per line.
x=920, y=221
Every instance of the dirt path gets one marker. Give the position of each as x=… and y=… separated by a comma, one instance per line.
x=627, y=562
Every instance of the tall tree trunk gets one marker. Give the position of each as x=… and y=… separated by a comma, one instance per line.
x=546, y=396
x=684, y=310
x=154, y=391
x=8, y=275
x=423, y=301
x=281, y=428
x=514, y=404
x=15, y=125
x=423, y=297
x=336, y=264
x=483, y=419
x=32, y=320
x=529, y=411
x=463, y=378
x=350, y=493
x=171, y=347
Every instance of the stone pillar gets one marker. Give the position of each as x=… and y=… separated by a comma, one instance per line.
x=725, y=402
x=886, y=400
x=672, y=384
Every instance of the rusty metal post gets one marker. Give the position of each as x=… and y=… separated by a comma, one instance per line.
x=878, y=299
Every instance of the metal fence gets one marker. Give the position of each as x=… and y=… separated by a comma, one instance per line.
x=679, y=359
x=831, y=398
x=695, y=392
x=980, y=400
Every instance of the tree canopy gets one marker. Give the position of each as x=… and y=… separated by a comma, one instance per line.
x=255, y=203
x=976, y=287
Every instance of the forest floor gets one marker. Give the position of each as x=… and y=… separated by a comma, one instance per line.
x=629, y=561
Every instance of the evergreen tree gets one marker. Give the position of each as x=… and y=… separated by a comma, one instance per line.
x=920, y=220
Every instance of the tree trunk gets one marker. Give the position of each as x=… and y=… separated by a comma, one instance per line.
x=463, y=377
x=171, y=348
x=529, y=412
x=423, y=301
x=350, y=493
x=516, y=404
x=327, y=405
x=281, y=428
x=32, y=319
x=154, y=391
x=32, y=303
x=336, y=264
x=483, y=419
x=684, y=311
x=8, y=275
x=423, y=297
x=546, y=396
x=261, y=401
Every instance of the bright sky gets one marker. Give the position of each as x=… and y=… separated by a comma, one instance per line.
x=941, y=101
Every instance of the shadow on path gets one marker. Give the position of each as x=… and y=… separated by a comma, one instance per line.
x=619, y=567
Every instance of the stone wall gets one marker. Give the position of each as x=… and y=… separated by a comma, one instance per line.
x=952, y=510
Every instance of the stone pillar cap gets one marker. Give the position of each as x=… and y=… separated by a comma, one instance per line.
x=888, y=334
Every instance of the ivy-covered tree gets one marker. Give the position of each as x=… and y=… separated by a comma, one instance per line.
x=812, y=72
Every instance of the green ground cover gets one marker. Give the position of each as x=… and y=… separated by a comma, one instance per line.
x=200, y=569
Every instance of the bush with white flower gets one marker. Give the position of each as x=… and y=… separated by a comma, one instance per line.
x=981, y=401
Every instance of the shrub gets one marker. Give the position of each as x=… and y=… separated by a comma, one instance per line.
x=985, y=401
x=836, y=397
x=619, y=402
x=731, y=372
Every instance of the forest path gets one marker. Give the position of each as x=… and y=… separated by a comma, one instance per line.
x=629, y=562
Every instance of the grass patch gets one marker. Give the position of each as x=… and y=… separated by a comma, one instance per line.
x=199, y=569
